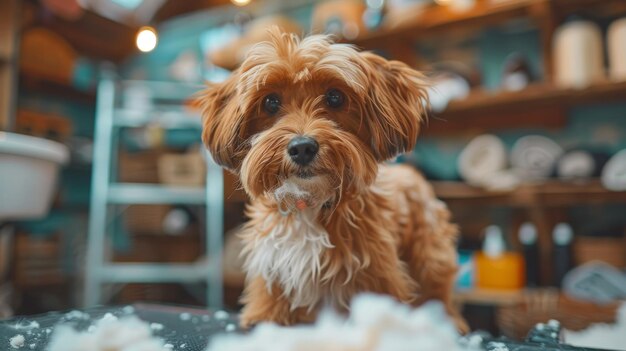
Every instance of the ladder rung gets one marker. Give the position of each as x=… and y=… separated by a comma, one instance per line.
x=129, y=193
x=172, y=119
x=163, y=89
x=154, y=273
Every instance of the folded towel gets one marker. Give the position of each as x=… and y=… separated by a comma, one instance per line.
x=483, y=163
x=533, y=157
x=614, y=173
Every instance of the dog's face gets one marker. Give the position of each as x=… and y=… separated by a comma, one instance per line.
x=313, y=112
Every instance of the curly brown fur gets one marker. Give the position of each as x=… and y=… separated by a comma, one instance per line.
x=322, y=232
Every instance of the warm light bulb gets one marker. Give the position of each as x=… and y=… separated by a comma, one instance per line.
x=146, y=39
x=240, y=2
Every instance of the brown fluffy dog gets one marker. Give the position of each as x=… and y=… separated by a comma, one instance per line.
x=306, y=125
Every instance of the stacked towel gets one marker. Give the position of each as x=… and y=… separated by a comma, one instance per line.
x=614, y=173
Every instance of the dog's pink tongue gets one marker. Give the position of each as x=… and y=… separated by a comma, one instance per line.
x=301, y=204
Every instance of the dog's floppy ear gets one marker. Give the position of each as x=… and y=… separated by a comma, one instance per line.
x=222, y=122
x=395, y=105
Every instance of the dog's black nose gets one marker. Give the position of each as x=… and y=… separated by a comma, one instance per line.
x=302, y=150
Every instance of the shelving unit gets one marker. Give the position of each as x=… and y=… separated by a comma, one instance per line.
x=535, y=96
x=542, y=104
x=55, y=88
x=539, y=105
x=552, y=193
x=436, y=19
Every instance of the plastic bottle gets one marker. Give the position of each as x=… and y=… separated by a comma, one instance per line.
x=562, y=236
x=497, y=268
x=528, y=238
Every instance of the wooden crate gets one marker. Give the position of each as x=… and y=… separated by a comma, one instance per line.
x=605, y=249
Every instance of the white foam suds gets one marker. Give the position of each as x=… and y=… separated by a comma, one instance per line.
x=376, y=323
x=17, y=341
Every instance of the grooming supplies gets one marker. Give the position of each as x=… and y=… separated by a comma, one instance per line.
x=495, y=267
x=562, y=236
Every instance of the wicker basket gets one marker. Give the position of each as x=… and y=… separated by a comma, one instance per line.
x=539, y=306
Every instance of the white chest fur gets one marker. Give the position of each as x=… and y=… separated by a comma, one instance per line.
x=291, y=256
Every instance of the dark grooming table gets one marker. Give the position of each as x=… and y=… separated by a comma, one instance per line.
x=186, y=328
x=191, y=329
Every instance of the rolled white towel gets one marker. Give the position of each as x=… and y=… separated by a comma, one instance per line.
x=581, y=164
x=533, y=157
x=575, y=165
x=483, y=163
x=614, y=172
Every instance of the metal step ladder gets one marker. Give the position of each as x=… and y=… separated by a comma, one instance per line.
x=107, y=193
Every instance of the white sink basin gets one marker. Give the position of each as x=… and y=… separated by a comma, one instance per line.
x=29, y=170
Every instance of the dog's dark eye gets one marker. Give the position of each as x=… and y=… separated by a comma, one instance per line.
x=271, y=104
x=334, y=98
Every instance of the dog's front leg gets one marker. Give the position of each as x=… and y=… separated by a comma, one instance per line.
x=262, y=305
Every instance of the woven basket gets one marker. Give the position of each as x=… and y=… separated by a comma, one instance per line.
x=539, y=306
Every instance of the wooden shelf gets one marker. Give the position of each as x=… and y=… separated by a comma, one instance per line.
x=538, y=95
x=55, y=88
x=552, y=193
x=539, y=105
